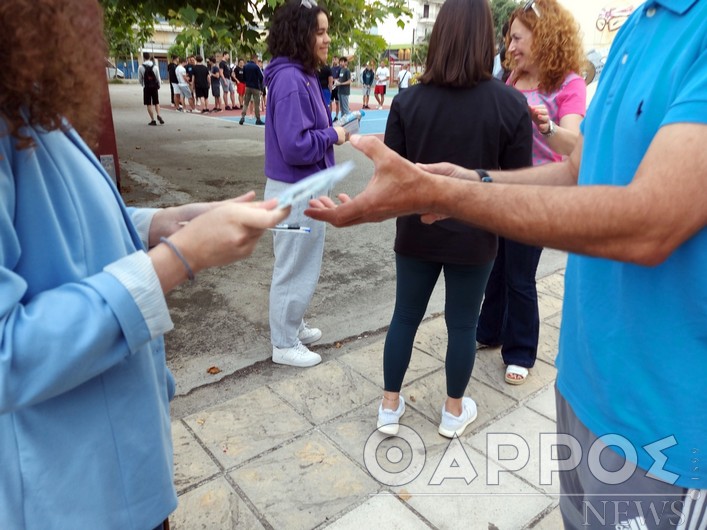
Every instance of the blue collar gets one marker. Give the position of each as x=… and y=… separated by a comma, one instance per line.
x=679, y=7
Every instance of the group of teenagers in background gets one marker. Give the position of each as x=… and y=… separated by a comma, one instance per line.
x=193, y=80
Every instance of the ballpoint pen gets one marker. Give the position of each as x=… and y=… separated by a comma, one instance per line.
x=290, y=228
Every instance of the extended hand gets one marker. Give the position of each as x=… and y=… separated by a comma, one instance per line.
x=226, y=233
x=540, y=116
x=167, y=221
x=397, y=188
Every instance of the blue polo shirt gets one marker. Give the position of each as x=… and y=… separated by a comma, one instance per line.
x=633, y=346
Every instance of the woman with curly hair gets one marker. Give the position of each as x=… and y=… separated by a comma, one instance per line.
x=299, y=140
x=84, y=388
x=544, y=53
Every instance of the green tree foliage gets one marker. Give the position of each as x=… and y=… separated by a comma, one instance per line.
x=233, y=25
x=502, y=10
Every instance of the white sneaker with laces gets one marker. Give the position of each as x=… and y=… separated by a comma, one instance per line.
x=455, y=425
x=389, y=420
x=308, y=335
x=299, y=355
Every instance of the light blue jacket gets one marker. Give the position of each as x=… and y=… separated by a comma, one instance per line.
x=84, y=389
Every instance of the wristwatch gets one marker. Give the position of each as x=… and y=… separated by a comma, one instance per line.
x=550, y=131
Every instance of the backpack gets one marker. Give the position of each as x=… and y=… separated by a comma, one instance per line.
x=149, y=77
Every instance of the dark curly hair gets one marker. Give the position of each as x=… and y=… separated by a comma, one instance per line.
x=293, y=31
x=557, y=44
x=55, y=68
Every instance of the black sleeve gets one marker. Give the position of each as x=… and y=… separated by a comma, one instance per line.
x=394, y=134
x=518, y=152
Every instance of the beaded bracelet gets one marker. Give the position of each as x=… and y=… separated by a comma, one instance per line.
x=190, y=273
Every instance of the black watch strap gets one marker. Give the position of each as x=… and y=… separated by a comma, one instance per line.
x=483, y=175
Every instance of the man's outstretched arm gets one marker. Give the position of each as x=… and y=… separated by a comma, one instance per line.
x=643, y=222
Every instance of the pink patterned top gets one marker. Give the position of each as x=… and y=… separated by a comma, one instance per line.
x=570, y=98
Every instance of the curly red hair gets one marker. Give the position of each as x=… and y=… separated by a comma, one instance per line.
x=557, y=46
x=55, y=68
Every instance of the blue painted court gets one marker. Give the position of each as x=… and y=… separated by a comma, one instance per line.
x=373, y=122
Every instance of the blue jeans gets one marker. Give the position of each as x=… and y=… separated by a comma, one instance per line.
x=464, y=285
x=509, y=315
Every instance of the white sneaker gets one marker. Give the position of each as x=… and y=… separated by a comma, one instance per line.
x=452, y=424
x=389, y=420
x=309, y=335
x=299, y=355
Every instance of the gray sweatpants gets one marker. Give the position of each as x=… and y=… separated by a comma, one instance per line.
x=588, y=501
x=298, y=260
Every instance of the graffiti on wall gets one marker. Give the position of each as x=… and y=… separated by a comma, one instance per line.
x=610, y=18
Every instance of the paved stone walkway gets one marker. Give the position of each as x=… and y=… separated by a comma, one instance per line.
x=301, y=451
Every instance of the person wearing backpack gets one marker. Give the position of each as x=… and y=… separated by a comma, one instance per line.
x=149, y=77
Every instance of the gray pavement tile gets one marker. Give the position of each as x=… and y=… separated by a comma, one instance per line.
x=356, y=432
x=383, y=511
x=428, y=394
x=544, y=403
x=368, y=361
x=326, y=391
x=514, y=442
x=554, y=284
x=489, y=369
x=431, y=338
x=303, y=484
x=214, y=505
x=242, y=428
x=191, y=463
x=551, y=521
x=548, y=342
x=554, y=321
x=548, y=305
x=468, y=501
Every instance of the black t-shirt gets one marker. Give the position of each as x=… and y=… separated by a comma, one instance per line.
x=223, y=65
x=201, y=76
x=238, y=71
x=190, y=71
x=172, y=71
x=486, y=127
x=324, y=75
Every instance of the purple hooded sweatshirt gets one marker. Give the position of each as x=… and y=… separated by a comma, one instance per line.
x=299, y=138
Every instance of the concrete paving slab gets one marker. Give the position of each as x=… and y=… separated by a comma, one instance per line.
x=214, y=505
x=303, y=484
x=548, y=306
x=243, y=428
x=429, y=394
x=383, y=511
x=553, y=284
x=504, y=442
x=191, y=463
x=368, y=362
x=355, y=433
x=548, y=342
x=552, y=521
x=544, y=403
x=326, y=391
x=452, y=503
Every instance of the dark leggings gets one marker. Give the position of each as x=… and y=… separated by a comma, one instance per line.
x=464, y=286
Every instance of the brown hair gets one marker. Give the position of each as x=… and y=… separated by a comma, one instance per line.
x=56, y=66
x=461, y=47
x=557, y=46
